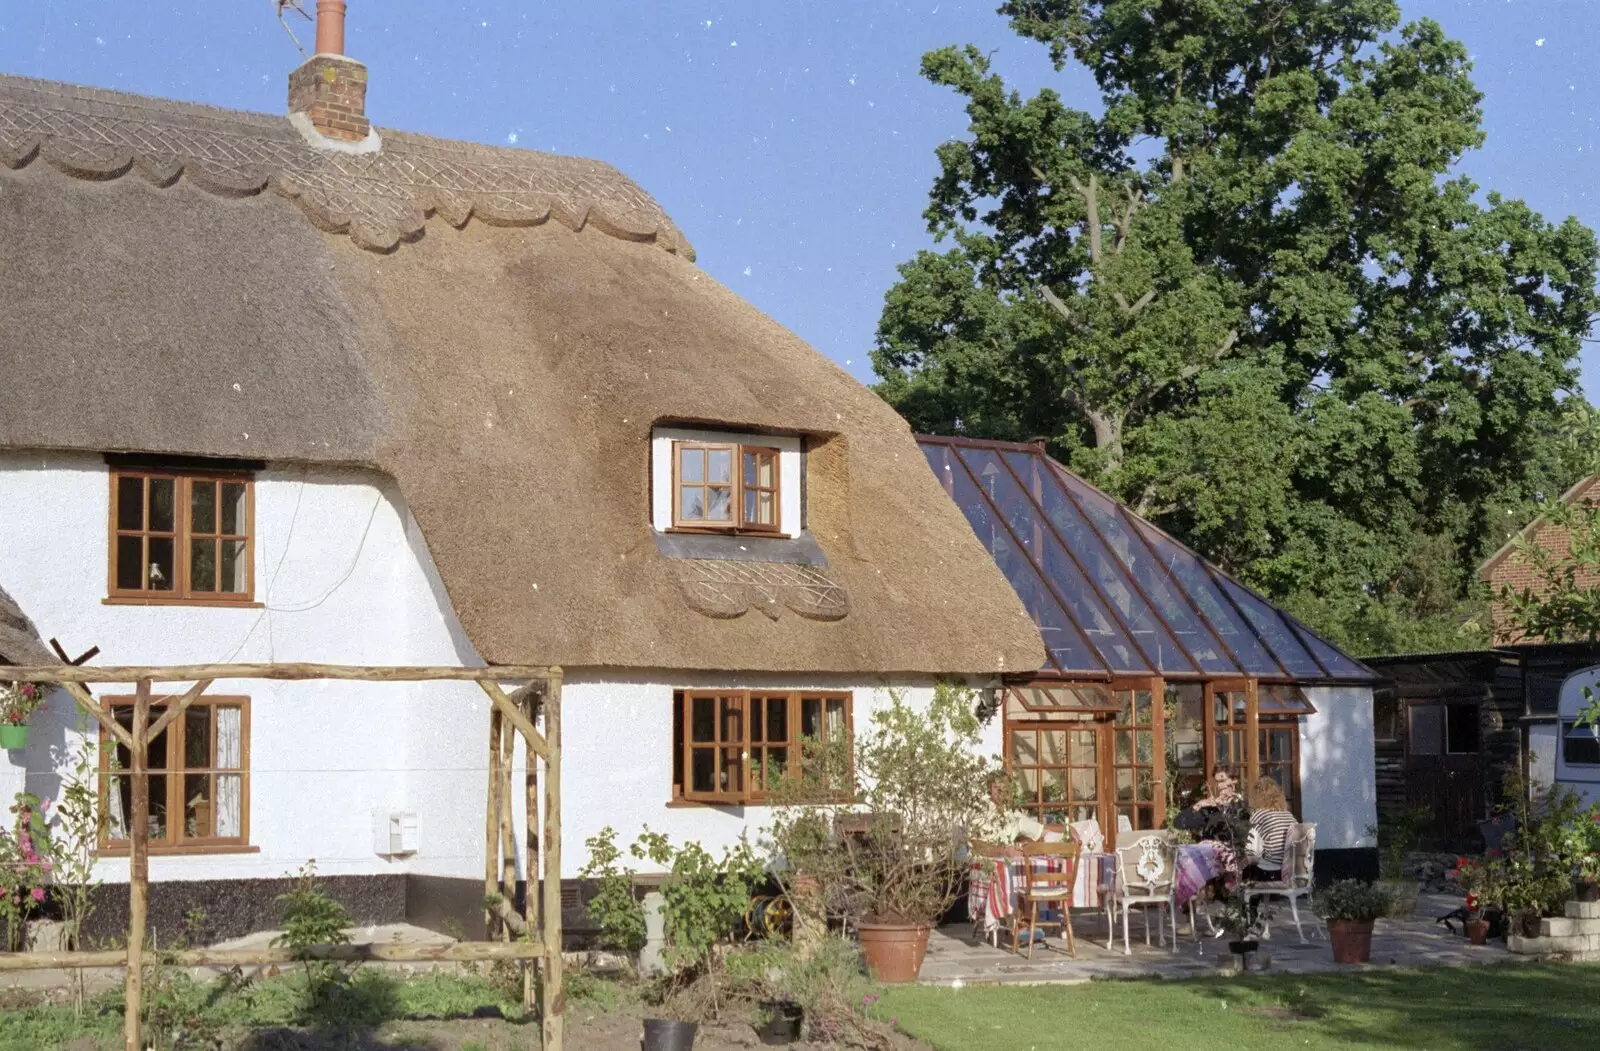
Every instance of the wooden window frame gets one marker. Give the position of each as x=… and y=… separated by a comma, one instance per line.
x=1269, y=724
x=736, y=523
x=183, y=535
x=1156, y=728
x=749, y=794
x=174, y=842
x=1068, y=723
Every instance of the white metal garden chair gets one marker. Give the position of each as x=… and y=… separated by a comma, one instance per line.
x=1297, y=877
x=1147, y=875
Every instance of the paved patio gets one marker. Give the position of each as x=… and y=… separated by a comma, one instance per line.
x=956, y=957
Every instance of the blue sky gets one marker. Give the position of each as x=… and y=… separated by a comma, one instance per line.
x=793, y=142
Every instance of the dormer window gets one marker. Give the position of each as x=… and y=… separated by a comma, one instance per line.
x=707, y=481
x=712, y=493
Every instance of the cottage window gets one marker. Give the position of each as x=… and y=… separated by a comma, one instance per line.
x=725, y=486
x=181, y=537
x=729, y=746
x=199, y=778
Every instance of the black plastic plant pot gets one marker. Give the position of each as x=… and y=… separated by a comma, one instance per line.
x=1239, y=948
x=785, y=1019
x=660, y=1034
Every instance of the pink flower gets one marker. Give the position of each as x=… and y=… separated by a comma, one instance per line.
x=38, y=894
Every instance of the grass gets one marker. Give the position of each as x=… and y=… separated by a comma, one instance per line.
x=370, y=1001
x=1489, y=1008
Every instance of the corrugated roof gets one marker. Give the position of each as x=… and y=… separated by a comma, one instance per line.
x=1112, y=594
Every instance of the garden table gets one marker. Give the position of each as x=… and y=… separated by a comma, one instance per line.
x=1199, y=864
x=995, y=884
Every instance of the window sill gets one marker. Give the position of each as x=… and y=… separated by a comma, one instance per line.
x=124, y=600
x=169, y=850
x=773, y=534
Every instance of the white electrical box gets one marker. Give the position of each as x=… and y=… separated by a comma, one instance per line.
x=394, y=832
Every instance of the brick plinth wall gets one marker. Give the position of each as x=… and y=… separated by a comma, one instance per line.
x=1574, y=936
x=331, y=90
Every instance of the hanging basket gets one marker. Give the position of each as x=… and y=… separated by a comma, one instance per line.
x=13, y=735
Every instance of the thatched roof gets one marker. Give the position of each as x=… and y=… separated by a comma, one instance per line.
x=19, y=639
x=158, y=300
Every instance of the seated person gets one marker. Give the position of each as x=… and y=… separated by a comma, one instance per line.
x=1011, y=823
x=1270, y=826
x=1207, y=817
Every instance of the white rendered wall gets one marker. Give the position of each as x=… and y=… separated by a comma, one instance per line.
x=344, y=578
x=790, y=519
x=616, y=759
x=1338, y=773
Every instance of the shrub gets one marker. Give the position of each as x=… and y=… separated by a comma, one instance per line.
x=613, y=908
x=1353, y=899
x=311, y=919
x=1399, y=832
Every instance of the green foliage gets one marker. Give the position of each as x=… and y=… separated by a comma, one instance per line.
x=891, y=852
x=1398, y=832
x=1353, y=899
x=1562, y=604
x=75, y=844
x=1551, y=842
x=830, y=985
x=614, y=908
x=1255, y=298
x=312, y=920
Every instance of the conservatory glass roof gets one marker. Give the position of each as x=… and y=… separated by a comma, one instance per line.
x=1112, y=594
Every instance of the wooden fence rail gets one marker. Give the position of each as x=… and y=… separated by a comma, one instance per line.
x=452, y=952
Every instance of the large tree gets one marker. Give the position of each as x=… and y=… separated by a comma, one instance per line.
x=1253, y=296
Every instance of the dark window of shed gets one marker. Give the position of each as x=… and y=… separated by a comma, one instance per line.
x=1385, y=716
x=1461, y=729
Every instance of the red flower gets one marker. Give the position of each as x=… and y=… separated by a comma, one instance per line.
x=1494, y=853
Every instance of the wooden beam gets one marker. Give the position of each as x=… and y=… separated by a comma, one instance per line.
x=491, y=823
x=1252, y=723
x=382, y=952
x=508, y=831
x=138, y=869
x=507, y=708
x=86, y=701
x=530, y=898
x=553, y=995
x=357, y=672
x=177, y=708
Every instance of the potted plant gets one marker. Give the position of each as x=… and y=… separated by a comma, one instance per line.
x=18, y=701
x=1474, y=879
x=898, y=813
x=1350, y=908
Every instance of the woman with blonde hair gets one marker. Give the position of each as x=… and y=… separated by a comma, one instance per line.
x=1270, y=827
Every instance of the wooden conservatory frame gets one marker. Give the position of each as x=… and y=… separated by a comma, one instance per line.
x=511, y=715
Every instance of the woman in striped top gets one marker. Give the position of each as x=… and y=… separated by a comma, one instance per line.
x=1270, y=825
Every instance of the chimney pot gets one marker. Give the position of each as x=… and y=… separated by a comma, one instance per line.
x=330, y=27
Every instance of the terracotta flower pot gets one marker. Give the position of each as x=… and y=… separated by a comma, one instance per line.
x=13, y=735
x=1351, y=940
x=1478, y=931
x=894, y=951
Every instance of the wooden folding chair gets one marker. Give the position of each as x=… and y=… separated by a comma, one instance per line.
x=1043, y=887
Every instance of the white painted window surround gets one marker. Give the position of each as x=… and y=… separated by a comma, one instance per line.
x=791, y=518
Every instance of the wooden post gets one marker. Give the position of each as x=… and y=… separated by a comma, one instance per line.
x=1252, y=763
x=508, y=831
x=138, y=869
x=491, y=823
x=1158, y=747
x=554, y=996
x=530, y=869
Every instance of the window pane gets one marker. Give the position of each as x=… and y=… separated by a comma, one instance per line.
x=1054, y=748
x=156, y=758
x=233, y=508
x=162, y=502
x=1579, y=745
x=234, y=567
x=692, y=504
x=777, y=763
x=198, y=809
x=719, y=465
x=1055, y=787
x=766, y=476
x=162, y=571
x=703, y=770
x=1084, y=789
x=1141, y=707
x=703, y=721
x=835, y=718
x=130, y=503
x=733, y=719
x=1144, y=746
x=1083, y=748
x=750, y=507
x=766, y=510
x=758, y=712
x=230, y=805
x=777, y=718
x=158, y=806
x=692, y=465
x=732, y=779
x=1124, y=785
x=1024, y=747
x=719, y=504
x=810, y=717
x=1146, y=784
x=1124, y=747
x=230, y=737
x=1426, y=729
x=197, y=737
x=119, y=811
x=203, y=565
x=1461, y=728
x=130, y=563
x=203, y=506
x=750, y=468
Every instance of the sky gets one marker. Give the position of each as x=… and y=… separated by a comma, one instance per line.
x=792, y=141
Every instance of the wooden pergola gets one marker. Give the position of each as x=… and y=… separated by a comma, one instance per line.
x=511, y=715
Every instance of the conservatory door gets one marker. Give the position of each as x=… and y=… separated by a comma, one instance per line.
x=1056, y=767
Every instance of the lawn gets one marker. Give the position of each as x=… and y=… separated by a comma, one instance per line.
x=1487, y=1008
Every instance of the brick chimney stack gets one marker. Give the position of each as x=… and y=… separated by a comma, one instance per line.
x=329, y=90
